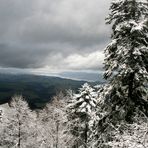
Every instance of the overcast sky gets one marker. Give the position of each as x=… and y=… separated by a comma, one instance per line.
x=48, y=36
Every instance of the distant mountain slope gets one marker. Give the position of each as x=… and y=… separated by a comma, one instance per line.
x=86, y=76
x=36, y=89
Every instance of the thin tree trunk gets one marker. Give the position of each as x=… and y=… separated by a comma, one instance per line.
x=131, y=80
x=130, y=102
x=57, y=134
x=86, y=130
x=19, y=134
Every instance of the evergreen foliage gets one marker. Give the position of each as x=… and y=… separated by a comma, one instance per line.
x=124, y=101
x=80, y=110
x=126, y=61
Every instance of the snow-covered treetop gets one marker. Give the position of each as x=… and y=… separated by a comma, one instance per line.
x=18, y=103
x=123, y=10
x=129, y=46
x=21, y=110
x=85, y=100
x=86, y=90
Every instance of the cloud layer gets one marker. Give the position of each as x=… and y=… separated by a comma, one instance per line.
x=55, y=35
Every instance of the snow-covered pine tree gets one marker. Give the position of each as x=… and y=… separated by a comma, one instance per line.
x=79, y=110
x=126, y=69
x=126, y=61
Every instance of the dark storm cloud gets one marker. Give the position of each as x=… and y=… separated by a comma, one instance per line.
x=21, y=57
x=59, y=34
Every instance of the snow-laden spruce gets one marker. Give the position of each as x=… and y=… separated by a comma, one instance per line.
x=126, y=69
x=126, y=61
x=80, y=111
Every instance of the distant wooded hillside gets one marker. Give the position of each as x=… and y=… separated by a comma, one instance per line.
x=36, y=89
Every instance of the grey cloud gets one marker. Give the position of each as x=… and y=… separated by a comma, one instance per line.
x=75, y=22
x=39, y=33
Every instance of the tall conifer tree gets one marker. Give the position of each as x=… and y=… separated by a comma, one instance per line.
x=126, y=57
x=79, y=111
x=126, y=69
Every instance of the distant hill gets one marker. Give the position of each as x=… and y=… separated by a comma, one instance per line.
x=86, y=76
x=36, y=89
